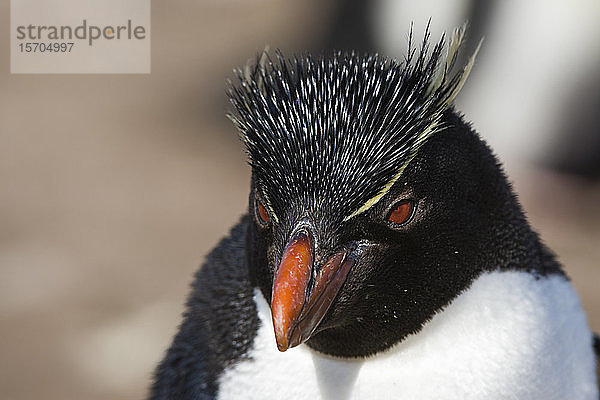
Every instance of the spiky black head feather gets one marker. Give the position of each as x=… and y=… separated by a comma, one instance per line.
x=337, y=131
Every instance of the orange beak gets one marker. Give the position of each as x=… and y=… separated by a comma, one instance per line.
x=302, y=294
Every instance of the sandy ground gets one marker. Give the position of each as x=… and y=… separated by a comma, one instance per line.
x=114, y=187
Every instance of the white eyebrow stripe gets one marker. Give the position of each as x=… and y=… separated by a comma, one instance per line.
x=375, y=199
x=433, y=128
x=456, y=42
x=269, y=206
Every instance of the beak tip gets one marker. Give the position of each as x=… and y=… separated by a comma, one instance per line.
x=282, y=346
x=281, y=331
x=282, y=342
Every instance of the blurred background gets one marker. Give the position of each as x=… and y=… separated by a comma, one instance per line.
x=114, y=187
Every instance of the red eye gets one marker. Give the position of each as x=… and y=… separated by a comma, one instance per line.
x=262, y=213
x=401, y=212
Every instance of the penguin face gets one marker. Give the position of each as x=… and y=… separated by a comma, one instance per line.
x=357, y=286
x=344, y=206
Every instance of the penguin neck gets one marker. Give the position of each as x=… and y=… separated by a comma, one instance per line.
x=505, y=239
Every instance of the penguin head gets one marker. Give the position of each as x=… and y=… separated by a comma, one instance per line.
x=370, y=197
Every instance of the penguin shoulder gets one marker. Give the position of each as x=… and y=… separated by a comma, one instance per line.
x=219, y=325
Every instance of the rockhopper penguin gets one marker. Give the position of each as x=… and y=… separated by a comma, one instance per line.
x=384, y=254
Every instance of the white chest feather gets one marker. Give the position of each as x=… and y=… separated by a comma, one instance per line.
x=509, y=336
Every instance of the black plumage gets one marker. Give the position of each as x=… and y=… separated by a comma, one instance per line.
x=339, y=128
